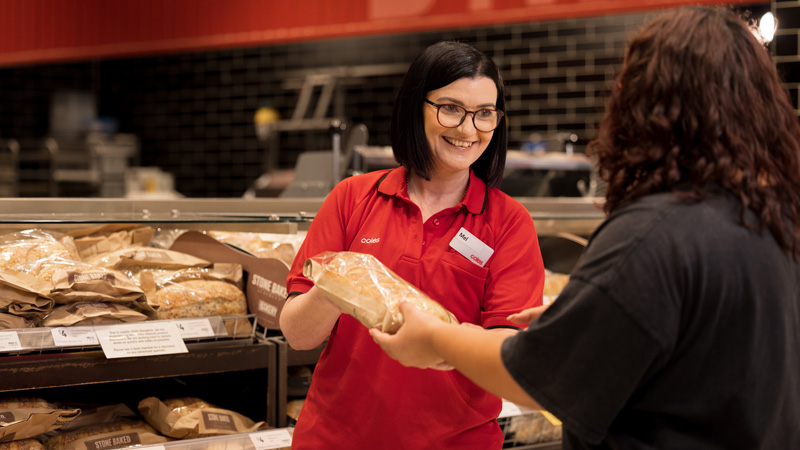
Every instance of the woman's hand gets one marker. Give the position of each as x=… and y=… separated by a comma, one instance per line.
x=412, y=345
x=526, y=316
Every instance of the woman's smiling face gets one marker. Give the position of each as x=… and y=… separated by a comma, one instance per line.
x=455, y=149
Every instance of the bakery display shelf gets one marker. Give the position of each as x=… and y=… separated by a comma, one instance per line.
x=49, y=370
x=289, y=357
x=83, y=338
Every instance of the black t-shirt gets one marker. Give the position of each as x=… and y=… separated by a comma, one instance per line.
x=679, y=329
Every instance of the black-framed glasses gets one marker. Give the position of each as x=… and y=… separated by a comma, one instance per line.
x=452, y=116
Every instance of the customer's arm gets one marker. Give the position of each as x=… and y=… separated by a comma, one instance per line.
x=307, y=319
x=423, y=341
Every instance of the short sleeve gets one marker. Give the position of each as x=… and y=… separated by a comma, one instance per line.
x=516, y=270
x=582, y=360
x=326, y=233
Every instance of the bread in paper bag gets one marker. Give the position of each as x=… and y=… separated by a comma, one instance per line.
x=366, y=289
x=24, y=417
x=191, y=417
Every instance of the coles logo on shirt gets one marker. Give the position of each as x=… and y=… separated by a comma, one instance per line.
x=370, y=240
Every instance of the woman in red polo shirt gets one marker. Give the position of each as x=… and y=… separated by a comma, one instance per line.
x=449, y=136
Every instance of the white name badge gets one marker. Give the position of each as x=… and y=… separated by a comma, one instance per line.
x=471, y=247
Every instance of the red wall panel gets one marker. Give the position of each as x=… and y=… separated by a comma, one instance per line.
x=36, y=31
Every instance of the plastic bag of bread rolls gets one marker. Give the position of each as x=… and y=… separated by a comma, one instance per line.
x=191, y=417
x=52, y=258
x=29, y=250
x=366, y=289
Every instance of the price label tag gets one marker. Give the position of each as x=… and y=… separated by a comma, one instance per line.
x=271, y=439
x=74, y=336
x=194, y=328
x=512, y=409
x=140, y=339
x=9, y=340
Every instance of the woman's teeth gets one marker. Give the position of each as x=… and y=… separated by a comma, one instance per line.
x=462, y=144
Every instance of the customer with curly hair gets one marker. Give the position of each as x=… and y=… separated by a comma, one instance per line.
x=680, y=326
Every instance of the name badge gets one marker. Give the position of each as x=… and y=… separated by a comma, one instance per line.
x=471, y=247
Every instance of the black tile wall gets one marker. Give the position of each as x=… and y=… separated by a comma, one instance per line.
x=785, y=46
x=193, y=112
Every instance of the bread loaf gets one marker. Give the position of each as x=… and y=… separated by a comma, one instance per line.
x=28, y=251
x=119, y=434
x=199, y=298
x=366, y=289
x=191, y=417
x=22, y=444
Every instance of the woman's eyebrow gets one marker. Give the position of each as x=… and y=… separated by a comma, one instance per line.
x=459, y=102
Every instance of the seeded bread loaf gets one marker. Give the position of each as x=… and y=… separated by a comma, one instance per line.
x=199, y=298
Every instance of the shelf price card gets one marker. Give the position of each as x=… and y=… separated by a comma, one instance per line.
x=270, y=439
x=195, y=328
x=73, y=336
x=9, y=340
x=140, y=339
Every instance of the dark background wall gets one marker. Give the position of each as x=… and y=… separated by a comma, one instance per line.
x=193, y=112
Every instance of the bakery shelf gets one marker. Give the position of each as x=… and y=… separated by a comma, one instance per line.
x=289, y=357
x=240, y=375
x=227, y=366
x=45, y=370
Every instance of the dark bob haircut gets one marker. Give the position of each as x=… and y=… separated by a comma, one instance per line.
x=439, y=65
x=698, y=101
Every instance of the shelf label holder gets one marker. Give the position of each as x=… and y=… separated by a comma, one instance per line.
x=140, y=339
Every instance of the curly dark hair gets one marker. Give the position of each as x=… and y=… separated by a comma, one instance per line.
x=437, y=66
x=697, y=102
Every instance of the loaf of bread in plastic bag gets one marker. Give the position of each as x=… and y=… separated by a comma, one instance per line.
x=365, y=288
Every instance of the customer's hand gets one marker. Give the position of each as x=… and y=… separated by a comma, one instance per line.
x=526, y=316
x=412, y=345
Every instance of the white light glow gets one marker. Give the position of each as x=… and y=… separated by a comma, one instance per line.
x=767, y=26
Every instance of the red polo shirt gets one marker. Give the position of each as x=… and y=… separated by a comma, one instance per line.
x=361, y=398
